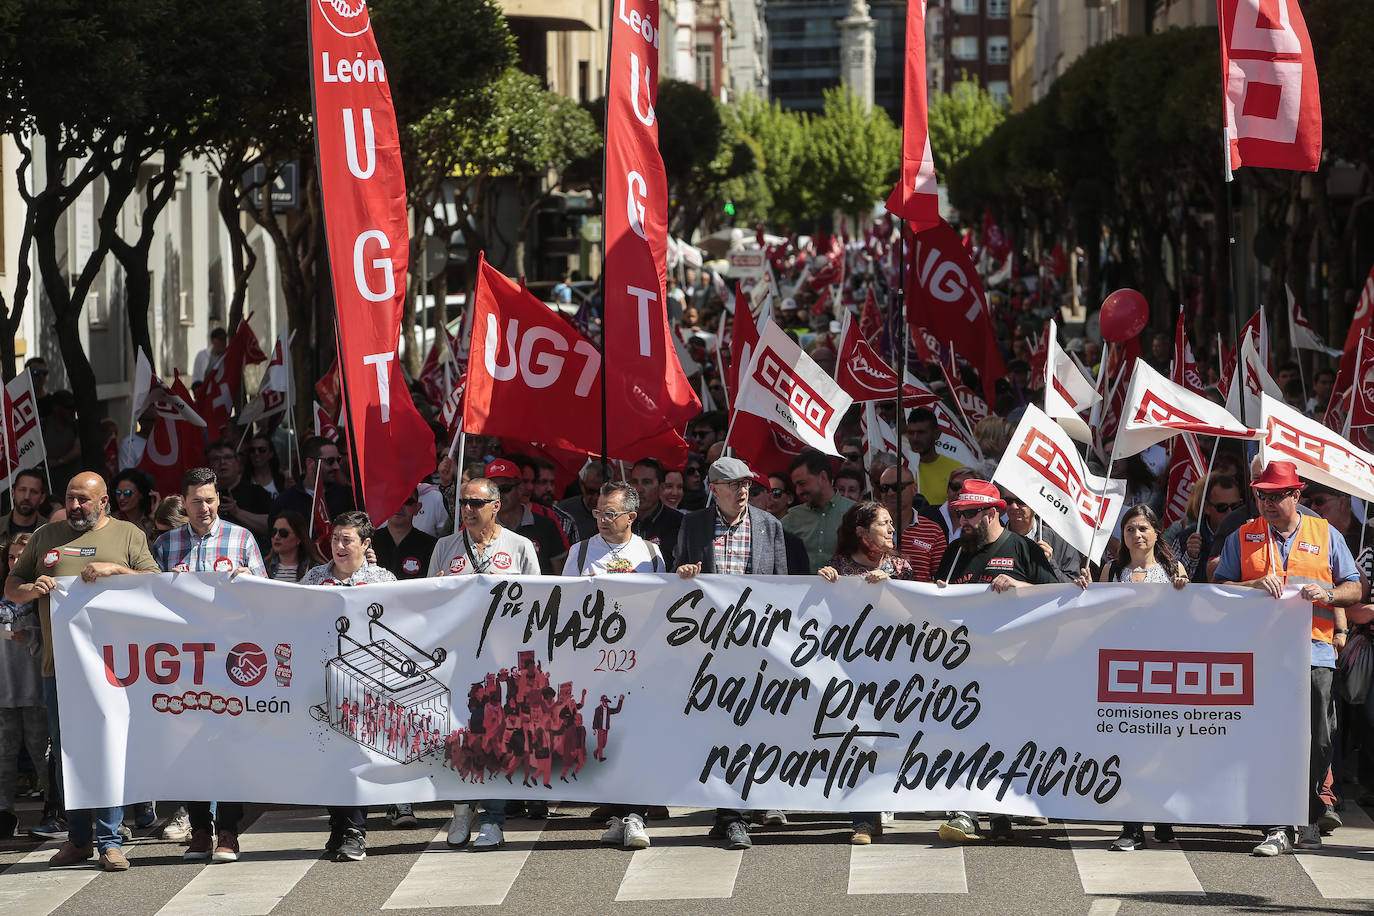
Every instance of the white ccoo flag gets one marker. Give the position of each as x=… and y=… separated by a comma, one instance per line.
x=785, y=386
x=1156, y=409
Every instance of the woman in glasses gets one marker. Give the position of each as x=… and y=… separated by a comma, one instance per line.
x=292, y=552
x=263, y=468
x=135, y=501
x=864, y=547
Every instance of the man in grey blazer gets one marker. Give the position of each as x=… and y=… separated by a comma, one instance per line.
x=731, y=537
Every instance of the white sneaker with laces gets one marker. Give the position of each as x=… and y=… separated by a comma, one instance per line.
x=460, y=828
x=615, y=832
x=179, y=827
x=636, y=837
x=1276, y=843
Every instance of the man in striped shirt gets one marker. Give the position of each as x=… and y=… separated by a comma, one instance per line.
x=923, y=543
x=208, y=543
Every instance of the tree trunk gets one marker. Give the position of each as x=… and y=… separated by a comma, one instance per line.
x=242, y=258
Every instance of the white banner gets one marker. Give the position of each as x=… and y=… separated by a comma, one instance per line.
x=1043, y=468
x=1124, y=702
x=1321, y=455
x=785, y=386
x=1156, y=409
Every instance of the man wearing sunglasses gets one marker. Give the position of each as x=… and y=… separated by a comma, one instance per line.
x=987, y=552
x=402, y=549
x=323, y=463
x=923, y=543
x=1283, y=547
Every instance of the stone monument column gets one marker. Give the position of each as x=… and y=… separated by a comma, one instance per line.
x=857, y=56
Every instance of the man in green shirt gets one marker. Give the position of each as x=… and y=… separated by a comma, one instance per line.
x=816, y=517
x=92, y=545
x=922, y=432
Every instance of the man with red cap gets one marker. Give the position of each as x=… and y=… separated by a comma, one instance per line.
x=1284, y=547
x=986, y=551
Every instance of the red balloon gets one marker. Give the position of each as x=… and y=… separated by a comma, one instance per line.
x=1124, y=315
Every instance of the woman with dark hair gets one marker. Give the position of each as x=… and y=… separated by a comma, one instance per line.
x=135, y=500
x=1144, y=557
x=262, y=465
x=292, y=552
x=863, y=547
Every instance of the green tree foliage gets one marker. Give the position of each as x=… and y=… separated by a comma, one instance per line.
x=854, y=153
x=776, y=189
x=959, y=121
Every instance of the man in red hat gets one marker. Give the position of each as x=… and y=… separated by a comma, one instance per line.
x=987, y=551
x=1283, y=547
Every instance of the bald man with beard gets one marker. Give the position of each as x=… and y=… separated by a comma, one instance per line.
x=92, y=545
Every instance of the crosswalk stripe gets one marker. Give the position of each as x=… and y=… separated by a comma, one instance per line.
x=444, y=876
x=905, y=861
x=32, y=888
x=696, y=868
x=1157, y=869
x=276, y=852
x=1343, y=869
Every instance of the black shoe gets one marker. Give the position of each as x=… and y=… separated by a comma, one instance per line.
x=1129, y=841
x=737, y=836
x=7, y=824
x=537, y=810
x=1164, y=833
x=354, y=846
x=999, y=827
x=335, y=840
x=718, y=831
x=1328, y=821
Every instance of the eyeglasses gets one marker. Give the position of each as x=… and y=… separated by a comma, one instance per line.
x=777, y=492
x=1226, y=507
x=474, y=503
x=966, y=514
x=39, y=372
x=258, y=450
x=605, y=515
x=731, y=484
x=282, y=532
x=335, y=460
x=1274, y=496
x=851, y=456
x=1013, y=501
x=124, y=492
x=893, y=487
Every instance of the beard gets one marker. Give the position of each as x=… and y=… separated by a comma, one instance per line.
x=978, y=536
x=85, y=522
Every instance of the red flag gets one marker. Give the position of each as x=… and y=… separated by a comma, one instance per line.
x=767, y=447
x=646, y=390
x=1362, y=397
x=993, y=240
x=1229, y=357
x=915, y=198
x=744, y=337
x=324, y=424
x=321, y=525
x=1119, y=370
x=532, y=376
x=1039, y=355
x=870, y=319
x=1359, y=325
x=1184, y=369
x=1186, y=469
x=974, y=408
x=1258, y=328
x=1273, y=105
x=865, y=376
x=826, y=276
x=327, y=390
x=947, y=298
x=442, y=354
x=362, y=185
x=924, y=345
x=220, y=390
x=1059, y=264
x=175, y=444
x=9, y=454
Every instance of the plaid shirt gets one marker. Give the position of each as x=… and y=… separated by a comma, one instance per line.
x=225, y=547
x=733, y=545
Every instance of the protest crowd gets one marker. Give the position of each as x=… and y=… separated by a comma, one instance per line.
x=252, y=498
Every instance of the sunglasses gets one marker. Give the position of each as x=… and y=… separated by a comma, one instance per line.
x=282, y=532
x=893, y=487
x=335, y=460
x=1226, y=507
x=1013, y=501
x=258, y=450
x=777, y=492
x=851, y=456
x=1274, y=496
x=473, y=503
x=505, y=488
x=966, y=514
x=124, y=492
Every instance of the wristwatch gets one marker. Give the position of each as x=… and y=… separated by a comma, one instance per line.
x=1342, y=632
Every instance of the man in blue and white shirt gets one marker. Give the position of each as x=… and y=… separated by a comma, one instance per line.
x=208, y=543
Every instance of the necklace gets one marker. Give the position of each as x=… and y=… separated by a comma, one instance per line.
x=616, y=563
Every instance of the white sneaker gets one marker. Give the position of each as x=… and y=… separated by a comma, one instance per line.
x=635, y=835
x=179, y=827
x=615, y=833
x=489, y=837
x=460, y=828
x=887, y=817
x=774, y=818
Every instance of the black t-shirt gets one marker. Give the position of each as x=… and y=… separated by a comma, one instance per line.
x=407, y=560
x=661, y=527
x=548, y=541
x=1011, y=553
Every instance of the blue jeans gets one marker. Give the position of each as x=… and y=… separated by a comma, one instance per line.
x=492, y=811
x=81, y=824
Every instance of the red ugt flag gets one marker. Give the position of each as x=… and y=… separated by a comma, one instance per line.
x=1273, y=106
x=364, y=193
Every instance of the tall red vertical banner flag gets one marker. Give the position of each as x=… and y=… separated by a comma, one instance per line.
x=1273, y=107
x=646, y=391
x=364, y=194
x=915, y=199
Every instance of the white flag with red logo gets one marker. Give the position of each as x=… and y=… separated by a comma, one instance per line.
x=23, y=431
x=1043, y=468
x=1322, y=456
x=785, y=386
x=1273, y=105
x=955, y=439
x=1068, y=392
x=916, y=197
x=1157, y=409
x=1187, y=468
x=1360, y=409
x=324, y=424
x=149, y=389
x=1301, y=334
x=1359, y=325
x=879, y=437
x=276, y=393
x=861, y=372
x=1253, y=378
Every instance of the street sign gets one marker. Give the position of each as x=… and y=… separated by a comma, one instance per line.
x=285, y=187
x=746, y=264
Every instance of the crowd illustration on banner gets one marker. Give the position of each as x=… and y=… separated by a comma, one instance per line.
x=912, y=401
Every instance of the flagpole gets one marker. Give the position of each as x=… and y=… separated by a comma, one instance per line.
x=605, y=188
x=949, y=380
x=313, y=492
x=1206, y=479
x=899, y=348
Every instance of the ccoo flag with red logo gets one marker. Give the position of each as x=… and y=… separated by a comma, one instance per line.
x=1156, y=409
x=1301, y=334
x=363, y=188
x=1043, y=468
x=23, y=432
x=785, y=386
x=1321, y=455
x=646, y=390
x=866, y=376
x=1273, y=106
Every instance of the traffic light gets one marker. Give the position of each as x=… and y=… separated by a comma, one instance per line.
x=729, y=208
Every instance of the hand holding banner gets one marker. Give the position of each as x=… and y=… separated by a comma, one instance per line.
x=1043, y=468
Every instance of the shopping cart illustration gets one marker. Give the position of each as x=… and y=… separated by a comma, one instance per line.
x=382, y=694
